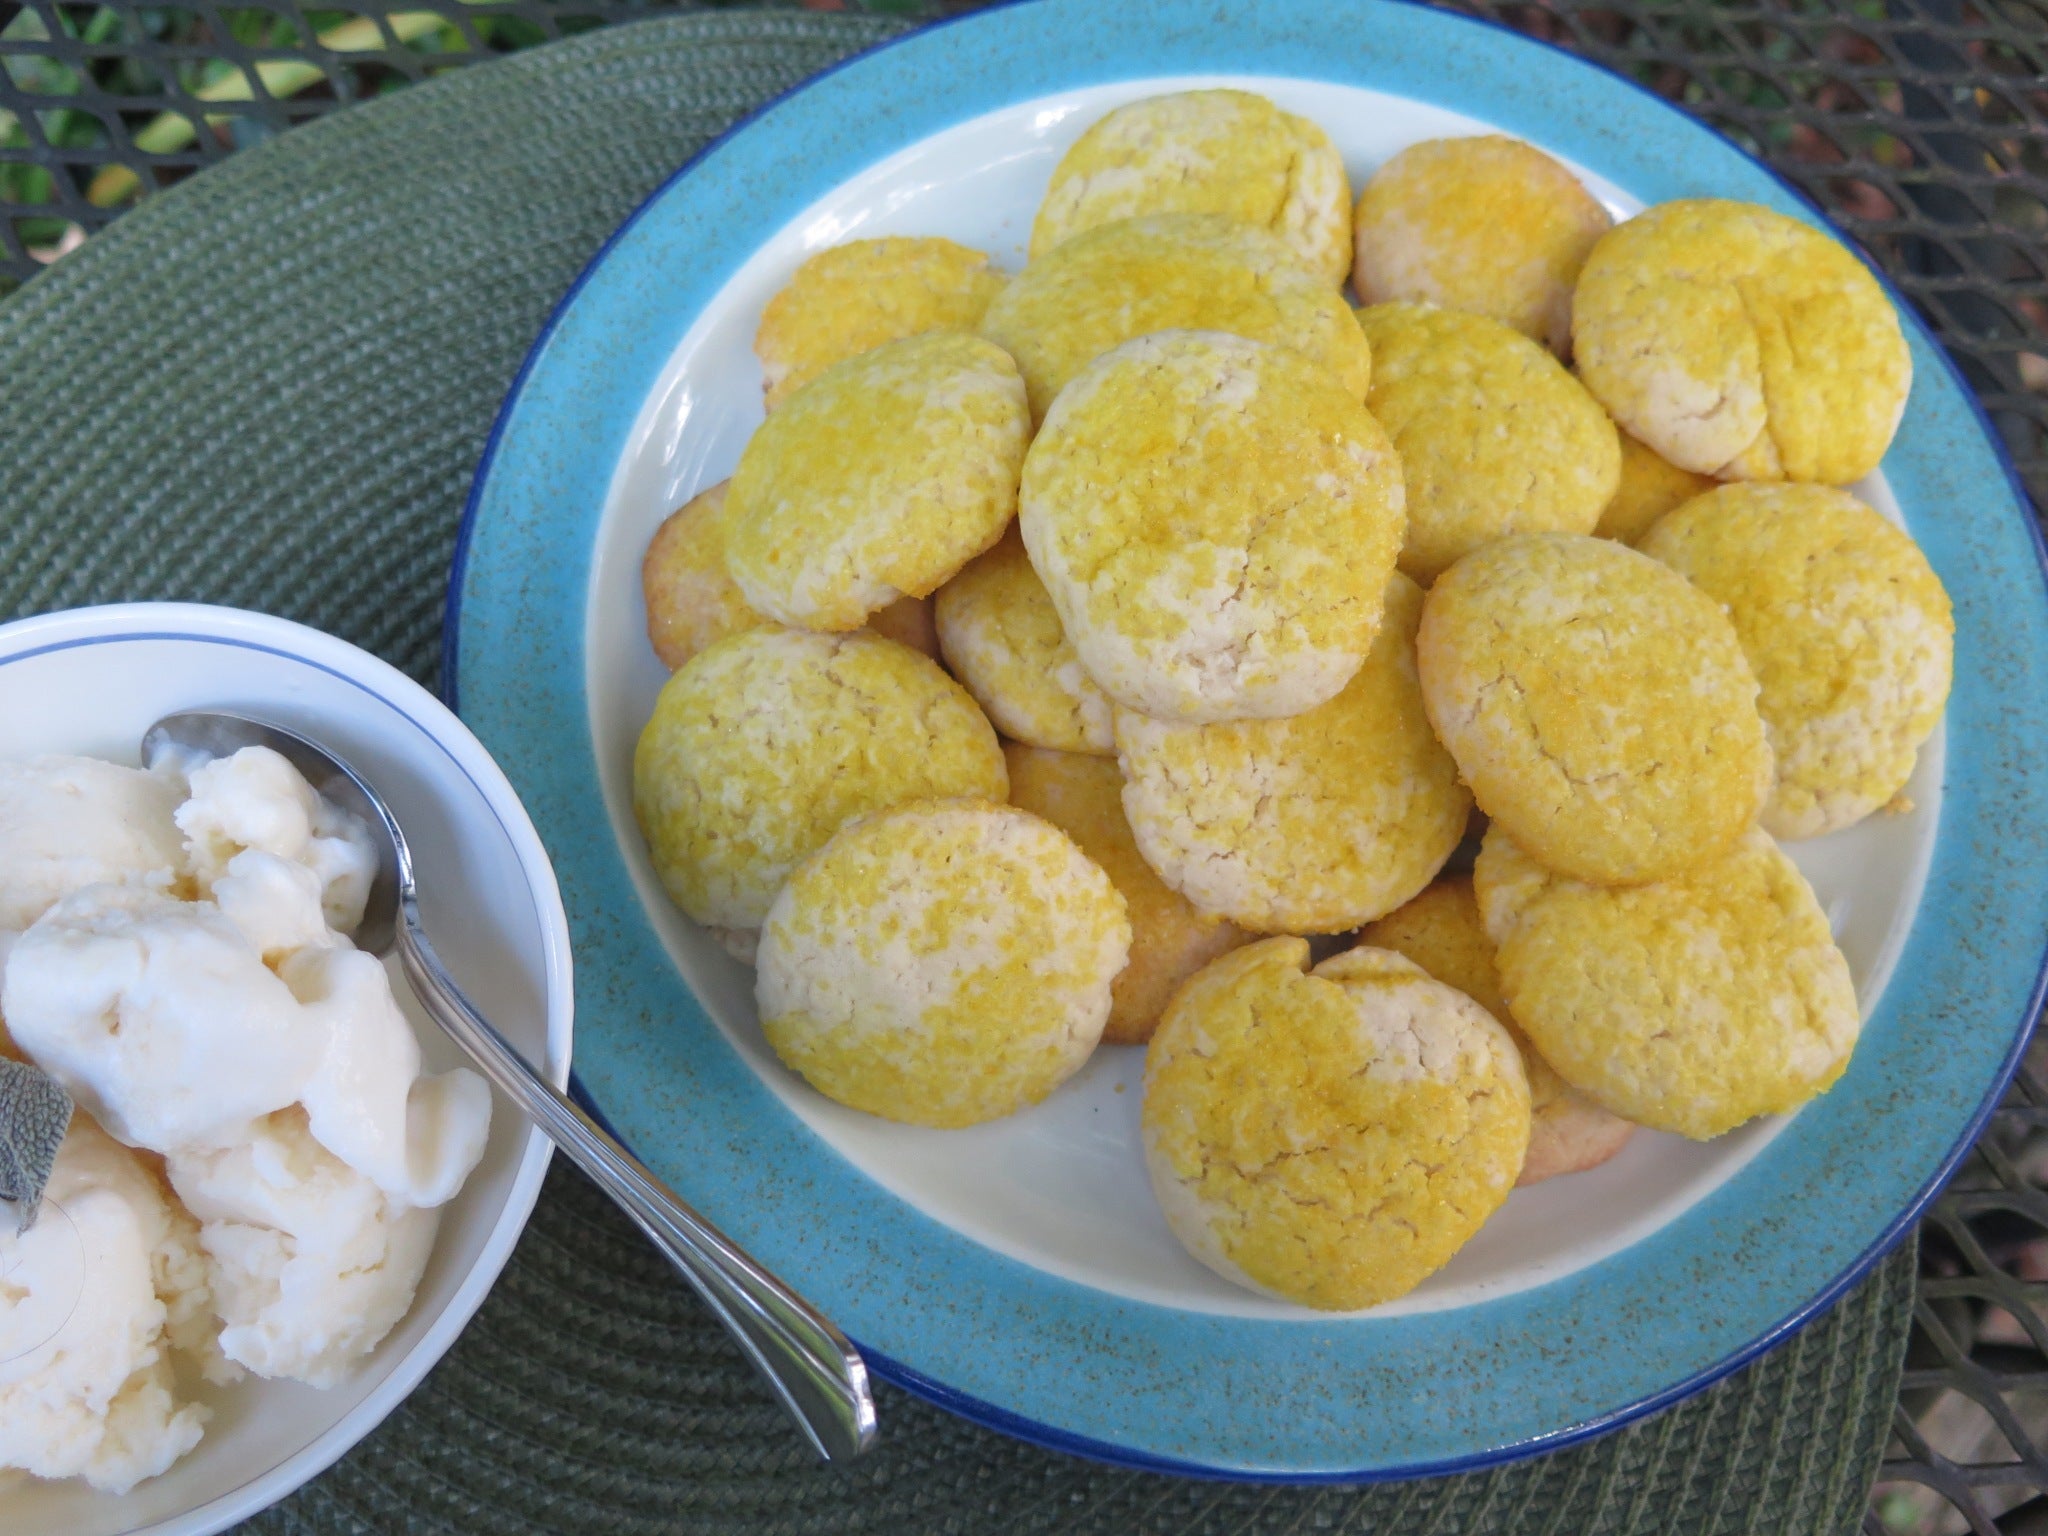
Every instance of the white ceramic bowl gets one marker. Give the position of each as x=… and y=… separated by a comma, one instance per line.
x=90, y=681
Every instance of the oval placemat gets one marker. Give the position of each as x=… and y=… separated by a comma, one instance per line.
x=269, y=387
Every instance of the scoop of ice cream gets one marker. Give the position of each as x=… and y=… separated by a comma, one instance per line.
x=99, y=1399
x=255, y=799
x=416, y=1138
x=309, y=1265
x=158, y=1016
x=70, y=822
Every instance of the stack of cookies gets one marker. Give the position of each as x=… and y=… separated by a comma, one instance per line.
x=1068, y=649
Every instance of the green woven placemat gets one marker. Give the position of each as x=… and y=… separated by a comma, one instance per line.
x=269, y=387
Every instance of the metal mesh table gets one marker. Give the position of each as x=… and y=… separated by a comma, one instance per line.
x=1921, y=124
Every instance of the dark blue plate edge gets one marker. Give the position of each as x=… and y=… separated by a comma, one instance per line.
x=1002, y=1420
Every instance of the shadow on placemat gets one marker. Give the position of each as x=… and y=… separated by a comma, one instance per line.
x=269, y=387
x=592, y=1395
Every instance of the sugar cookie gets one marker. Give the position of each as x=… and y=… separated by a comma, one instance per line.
x=1215, y=519
x=1690, y=1005
x=1598, y=704
x=944, y=963
x=766, y=744
x=1741, y=343
x=1330, y=1138
x=1846, y=626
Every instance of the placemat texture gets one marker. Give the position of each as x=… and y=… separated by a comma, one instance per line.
x=269, y=387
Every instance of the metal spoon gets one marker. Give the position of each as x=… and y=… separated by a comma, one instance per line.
x=811, y=1366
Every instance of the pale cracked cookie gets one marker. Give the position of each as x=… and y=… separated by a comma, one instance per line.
x=1169, y=271
x=693, y=603
x=1441, y=931
x=1597, y=703
x=1001, y=636
x=1690, y=1005
x=1489, y=225
x=1330, y=1138
x=1494, y=436
x=1651, y=485
x=1848, y=630
x=942, y=963
x=1227, y=152
x=1215, y=519
x=1170, y=939
x=878, y=480
x=1741, y=343
x=1311, y=824
x=766, y=744
x=850, y=299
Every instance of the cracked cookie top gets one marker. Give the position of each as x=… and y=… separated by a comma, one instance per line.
x=1846, y=626
x=1494, y=436
x=1488, y=224
x=852, y=298
x=1001, y=636
x=1310, y=824
x=1170, y=938
x=943, y=963
x=1441, y=931
x=1597, y=703
x=1215, y=519
x=876, y=481
x=1169, y=271
x=766, y=744
x=1691, y=1005
x=1223, y=152
x=1331, y=1138
x=1741, y=343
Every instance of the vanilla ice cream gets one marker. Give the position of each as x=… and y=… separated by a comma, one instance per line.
x=310, y=1264
x=100, y=1398
x=158, y=1016
x=255, y=799
x=183, y=970
x=70, y=822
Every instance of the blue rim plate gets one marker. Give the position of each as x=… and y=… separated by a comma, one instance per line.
x=1078, y=1368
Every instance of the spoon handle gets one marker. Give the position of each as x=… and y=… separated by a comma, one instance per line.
x=810, y=1365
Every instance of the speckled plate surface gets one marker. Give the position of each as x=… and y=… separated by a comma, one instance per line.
x=1018, y=1272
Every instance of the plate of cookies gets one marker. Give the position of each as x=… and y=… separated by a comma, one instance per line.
x=1301, y=749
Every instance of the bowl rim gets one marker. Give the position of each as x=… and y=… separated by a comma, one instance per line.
x=116, y=623
x=1458, y=27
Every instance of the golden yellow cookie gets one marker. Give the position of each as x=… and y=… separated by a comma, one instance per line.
x=1846, y=626
x=1741, y=343
x=1001, y=636
x=1226, y=152
x=877, y=480
x=1329, y=1138
x=1169, y=271
x=1597, y=703
x=766, y=744
x=1489, y=225
x=1494, y=436
x=852, y=298
x=1651, y=485
x=1441, y=931
x=1312, y=824
x=1170, y=940
x=1215, y=519
x=944, y=963
x=692, y=601
x=1690, y=1005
